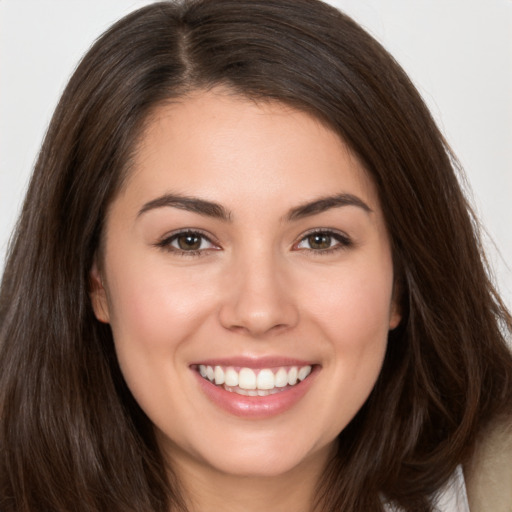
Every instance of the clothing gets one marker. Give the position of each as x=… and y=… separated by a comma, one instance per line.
x=489, y=476
x=451, y=498
x=484, y=485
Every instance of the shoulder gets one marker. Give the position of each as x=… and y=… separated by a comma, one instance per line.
x=489, y=474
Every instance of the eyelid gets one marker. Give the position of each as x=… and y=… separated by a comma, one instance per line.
x=344, y=241
x=165, y=241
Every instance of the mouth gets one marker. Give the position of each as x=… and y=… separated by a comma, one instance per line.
x=255, y=388
x=254, y=381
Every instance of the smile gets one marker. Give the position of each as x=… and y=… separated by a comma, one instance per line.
x=254, y=382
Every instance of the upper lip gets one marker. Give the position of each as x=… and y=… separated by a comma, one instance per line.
x=254, y=362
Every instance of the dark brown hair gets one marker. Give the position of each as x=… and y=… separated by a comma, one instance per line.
x=71, y=435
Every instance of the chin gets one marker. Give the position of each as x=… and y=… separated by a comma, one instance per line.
x=268, y=459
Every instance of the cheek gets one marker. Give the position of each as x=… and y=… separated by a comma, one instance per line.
x=154, y=308
x=354, y=305
x=352, y=310
x=353, y=317
x=155, y=313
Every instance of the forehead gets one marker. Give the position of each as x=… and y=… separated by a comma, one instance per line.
x=218, y=145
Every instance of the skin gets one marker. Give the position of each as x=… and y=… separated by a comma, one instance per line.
x=258, y=287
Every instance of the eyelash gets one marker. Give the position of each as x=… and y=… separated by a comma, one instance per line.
x=343, y=242
x=165, y=243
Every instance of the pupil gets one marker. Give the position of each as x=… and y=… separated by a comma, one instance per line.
x=189, y=242
x=319, y=241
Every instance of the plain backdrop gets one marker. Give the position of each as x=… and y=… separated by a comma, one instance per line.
x=457, y=52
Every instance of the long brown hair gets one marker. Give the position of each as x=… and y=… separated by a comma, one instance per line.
x=71, y=435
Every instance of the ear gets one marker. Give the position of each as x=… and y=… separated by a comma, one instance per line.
x=98, y=295
x=395, y=316
x=395, y=312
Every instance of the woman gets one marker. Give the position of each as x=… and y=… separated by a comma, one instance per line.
x=236, y=285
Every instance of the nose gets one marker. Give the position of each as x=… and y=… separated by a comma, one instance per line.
x=259, y=297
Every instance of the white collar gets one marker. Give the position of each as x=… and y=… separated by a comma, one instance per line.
x=450, y=498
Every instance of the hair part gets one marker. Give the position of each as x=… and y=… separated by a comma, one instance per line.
x=72, y=437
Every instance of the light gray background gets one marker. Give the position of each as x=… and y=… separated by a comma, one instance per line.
x=458, y=53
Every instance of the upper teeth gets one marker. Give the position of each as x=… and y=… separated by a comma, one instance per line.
x=247, y=378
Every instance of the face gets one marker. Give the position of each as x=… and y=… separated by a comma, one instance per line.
x=247, y=278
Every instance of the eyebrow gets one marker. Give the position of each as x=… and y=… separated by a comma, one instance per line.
x=191, y=204
x=217, y=211
x=326, y=203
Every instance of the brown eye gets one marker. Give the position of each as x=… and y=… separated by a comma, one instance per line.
x=189, y=242
x=324, y=242
x=319, y=241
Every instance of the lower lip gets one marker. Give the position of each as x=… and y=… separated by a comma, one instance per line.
x=256, y=407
